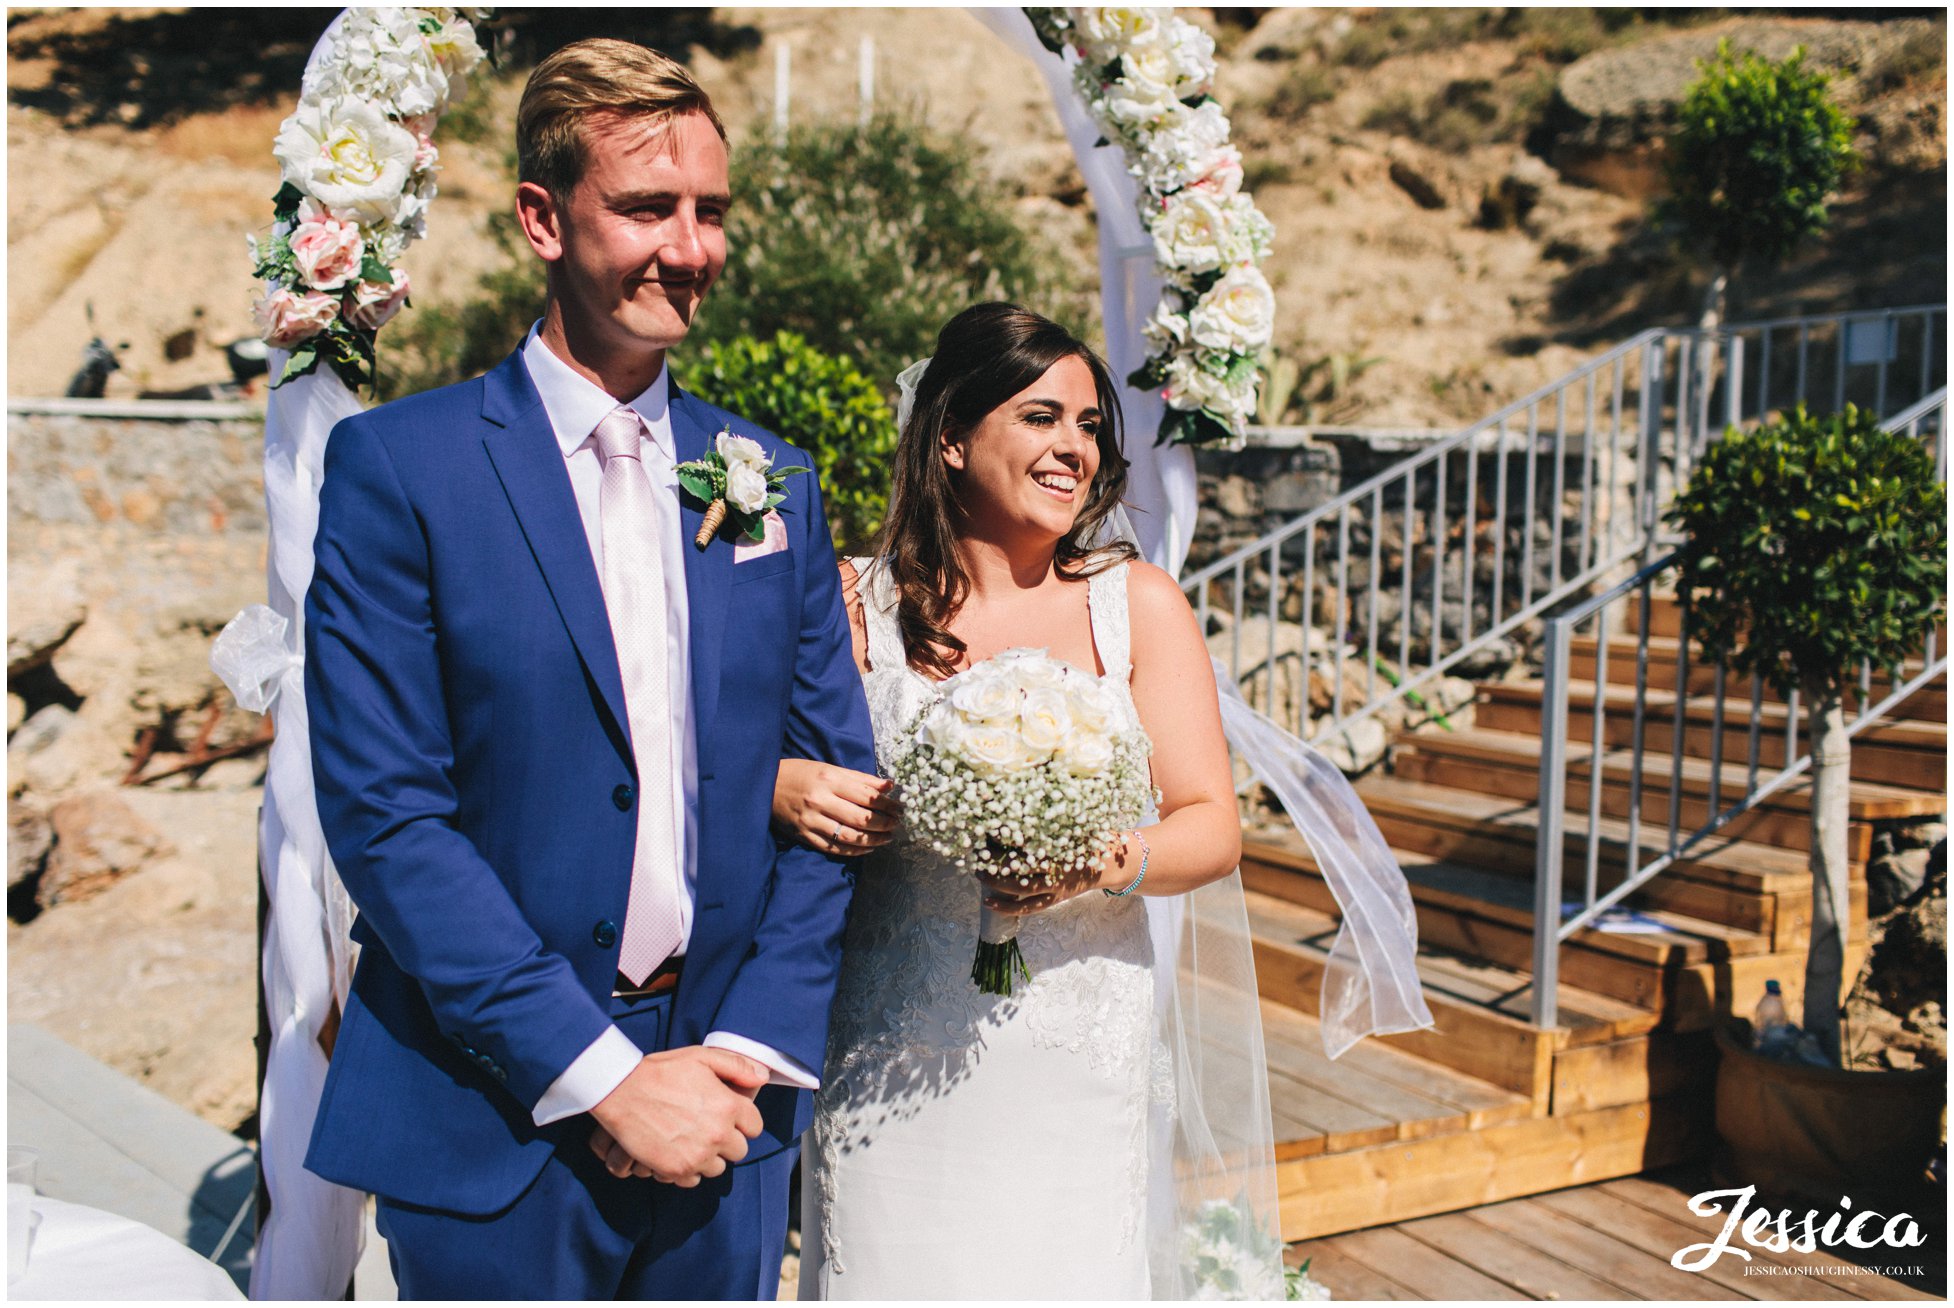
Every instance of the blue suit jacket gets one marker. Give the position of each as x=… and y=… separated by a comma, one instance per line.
x=470, y=750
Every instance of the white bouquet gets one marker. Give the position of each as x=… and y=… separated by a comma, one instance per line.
x=1020, y=769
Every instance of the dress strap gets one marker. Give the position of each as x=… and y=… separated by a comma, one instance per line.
x=878, y=592
x=1106, y=604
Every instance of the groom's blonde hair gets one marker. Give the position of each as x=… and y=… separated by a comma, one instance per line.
x=587, y=79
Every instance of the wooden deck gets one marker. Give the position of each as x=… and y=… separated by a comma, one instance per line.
x=1610, y=1240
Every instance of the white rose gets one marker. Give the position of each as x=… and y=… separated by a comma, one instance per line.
x=1044, y=718
x=348, y=156
x=982, y=697
x=1191, y=233
x=1106, y=29
x=1187, y=147
x=942, y=729
x=1149, y=76
x=1191, y=386
x=1092, y=706
x=994, y=747
x=1238, y=313
x=1166, y=328
x=740, y=449
x=1088, y=753
x=1221, y=174
x=1032, y=669
x=1193, y=53
x=746, y=487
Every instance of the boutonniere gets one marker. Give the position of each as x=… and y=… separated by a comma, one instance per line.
x=735, y=480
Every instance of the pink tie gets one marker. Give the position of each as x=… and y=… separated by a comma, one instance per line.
x=634, y=592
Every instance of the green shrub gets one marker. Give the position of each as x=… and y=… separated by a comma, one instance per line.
x=821, y=403
x=867, y=239
x=1759, y=148
x=1816, y=543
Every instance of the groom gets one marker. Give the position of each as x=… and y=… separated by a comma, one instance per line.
x=593, y=992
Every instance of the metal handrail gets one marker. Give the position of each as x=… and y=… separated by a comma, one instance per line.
x=1551, y=850
x=1572, y=516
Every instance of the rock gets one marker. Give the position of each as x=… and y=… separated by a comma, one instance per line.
x=57, y=749
x=16, y=712
x=1417, y=185
x=29, y=837
x=1357, y=748
x=1918, y=835
x=98, y=840
x=45, y=607
x=1899, y=1060
x=233, y=774
x=1237, y=497
x=1893, y=880
x=100, y=659
x=1908, y=963
x=1511, y=200
x=1616, y=105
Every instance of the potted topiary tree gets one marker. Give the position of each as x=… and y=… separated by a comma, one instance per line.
x=1816, y=544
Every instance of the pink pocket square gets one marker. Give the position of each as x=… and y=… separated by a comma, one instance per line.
x=745, y=551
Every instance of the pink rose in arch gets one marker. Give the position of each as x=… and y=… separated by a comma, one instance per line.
x=422, y=126
x=1222, y=177
x=286, y=319
x=327, y=251
x=373, y=304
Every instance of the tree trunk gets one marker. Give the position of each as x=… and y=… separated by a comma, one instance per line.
x=1831, y=901
x=1714, y=297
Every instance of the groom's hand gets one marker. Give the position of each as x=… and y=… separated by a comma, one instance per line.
x=680, y=1116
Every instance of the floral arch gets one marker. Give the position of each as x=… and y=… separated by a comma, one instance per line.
x=1187, y=312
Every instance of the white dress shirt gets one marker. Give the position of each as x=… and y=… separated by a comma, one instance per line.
x=575, y=405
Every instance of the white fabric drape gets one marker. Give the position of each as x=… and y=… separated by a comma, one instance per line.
x=1160, y=483
x=308, y=1246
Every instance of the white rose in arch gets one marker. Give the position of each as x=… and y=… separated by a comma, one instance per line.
x=1237, y=314
x=746, y=487
x=348, y=156
x=740, y=449
x=1191, y=233
x=1115, y=27
x=1044, y=718
x=1190, y=386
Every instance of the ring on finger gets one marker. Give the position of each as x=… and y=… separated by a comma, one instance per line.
x=836, y=837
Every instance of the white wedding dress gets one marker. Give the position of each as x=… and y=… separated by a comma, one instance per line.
x=972, y=1146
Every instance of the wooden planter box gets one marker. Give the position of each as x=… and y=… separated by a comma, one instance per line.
x=1815, y=1134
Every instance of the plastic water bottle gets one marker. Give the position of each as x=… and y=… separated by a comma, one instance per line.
x=1770, y=1025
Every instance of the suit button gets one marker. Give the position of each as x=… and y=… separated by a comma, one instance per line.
x=622, y=798
x=605, y=934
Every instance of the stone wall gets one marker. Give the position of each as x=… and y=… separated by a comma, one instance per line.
x=132, y=540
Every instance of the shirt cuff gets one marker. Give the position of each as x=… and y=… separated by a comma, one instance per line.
x=593, y=1074
x=786, y=1071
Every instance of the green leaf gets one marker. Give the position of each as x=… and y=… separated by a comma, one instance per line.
x=756, y=530
x=699, y=486
x=374, y=269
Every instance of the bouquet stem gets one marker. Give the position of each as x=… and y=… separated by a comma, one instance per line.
x=998, y=957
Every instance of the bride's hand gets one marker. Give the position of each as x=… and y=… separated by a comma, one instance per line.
x=835, y=810
x=1005, y=895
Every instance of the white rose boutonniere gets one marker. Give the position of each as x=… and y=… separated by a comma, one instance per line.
x=737, y=483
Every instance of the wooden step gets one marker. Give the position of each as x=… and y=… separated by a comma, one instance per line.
x=1373, y=1094
x=1481, y=746
x=1485, y=915
x=1904, y=753
x=1332, y=1192
x=1506, y=764
x=1755, y=888
x=1666, y=618
x=1927, y=704
x=1483, y=1012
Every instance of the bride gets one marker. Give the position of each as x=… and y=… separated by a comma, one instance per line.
x=1094, y=1135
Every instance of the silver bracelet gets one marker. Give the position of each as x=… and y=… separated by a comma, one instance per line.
x=1134, y=884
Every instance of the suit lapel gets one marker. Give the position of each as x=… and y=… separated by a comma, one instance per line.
x=523, y=448
x=708, y=571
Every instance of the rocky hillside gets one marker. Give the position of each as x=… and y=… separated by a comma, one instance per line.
x=1460, y=195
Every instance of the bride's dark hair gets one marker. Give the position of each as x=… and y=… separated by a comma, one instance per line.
x=984, y=356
